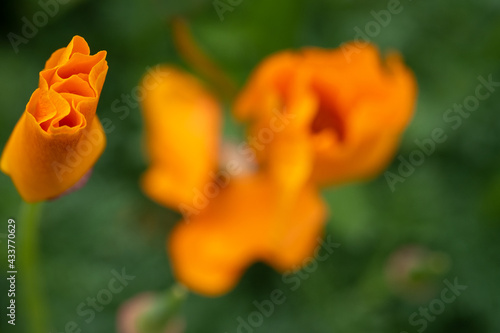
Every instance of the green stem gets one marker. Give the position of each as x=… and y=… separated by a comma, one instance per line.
x=27, y=268
x=163, y=310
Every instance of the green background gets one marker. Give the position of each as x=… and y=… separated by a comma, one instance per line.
x=449, y=206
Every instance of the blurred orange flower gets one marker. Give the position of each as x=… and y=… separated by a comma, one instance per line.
x=348, y=114
x=251, y=216
x=58, y=138
x=182, y=122
x=315, y=119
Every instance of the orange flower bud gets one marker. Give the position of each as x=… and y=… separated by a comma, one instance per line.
x=58, y=138
x=248, y=221
x=345, y=114
x=182, y=122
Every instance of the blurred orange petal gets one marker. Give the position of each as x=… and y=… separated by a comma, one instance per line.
x=182, y=122
x=250, y=220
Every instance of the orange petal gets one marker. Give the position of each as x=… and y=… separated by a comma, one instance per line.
x=61, y=56
x=182, y=135
x=42, y=166
x=248, y=221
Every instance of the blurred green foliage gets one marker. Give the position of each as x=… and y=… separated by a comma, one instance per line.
x=449, y=205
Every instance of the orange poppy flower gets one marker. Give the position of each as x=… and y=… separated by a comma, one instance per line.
x=315, y=119
x=239, y=220
x=346, y=115
x=58, y=138
x=182, y=122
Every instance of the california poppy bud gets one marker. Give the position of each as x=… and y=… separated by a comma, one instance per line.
x=58, y=138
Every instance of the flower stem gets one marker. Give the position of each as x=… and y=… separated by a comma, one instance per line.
x=193, y=54
x=163, y=310
x=27, y=267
